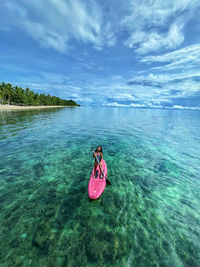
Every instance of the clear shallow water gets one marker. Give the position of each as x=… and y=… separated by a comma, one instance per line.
x=148, y=217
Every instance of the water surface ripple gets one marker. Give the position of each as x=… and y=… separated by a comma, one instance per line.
x=148, y=217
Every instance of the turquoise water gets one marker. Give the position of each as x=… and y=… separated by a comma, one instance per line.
x=149, y=216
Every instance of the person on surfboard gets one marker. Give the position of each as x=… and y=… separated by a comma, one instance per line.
x=98, y=155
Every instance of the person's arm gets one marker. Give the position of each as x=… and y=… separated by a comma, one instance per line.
x=93, y=154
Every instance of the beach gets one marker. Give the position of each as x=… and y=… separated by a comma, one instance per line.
x=13, y=107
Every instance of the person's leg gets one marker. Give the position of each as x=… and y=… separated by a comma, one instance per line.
x=101, y=174
x=95, y=167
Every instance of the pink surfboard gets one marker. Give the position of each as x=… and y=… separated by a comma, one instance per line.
x=97, y=185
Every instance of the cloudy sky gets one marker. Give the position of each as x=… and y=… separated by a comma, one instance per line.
x=121, y=53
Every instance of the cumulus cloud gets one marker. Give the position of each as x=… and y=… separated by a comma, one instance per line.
x=156, y=25
x=153, y=105
x=124, y=96
x=113, y=104
x=139, y=104
x=184, y=107
x=116, y=104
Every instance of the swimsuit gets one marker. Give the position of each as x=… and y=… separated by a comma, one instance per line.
x=97, y=158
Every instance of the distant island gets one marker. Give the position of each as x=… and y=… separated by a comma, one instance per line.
x=17, y=96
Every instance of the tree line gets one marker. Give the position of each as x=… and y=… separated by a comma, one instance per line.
x=16, y=95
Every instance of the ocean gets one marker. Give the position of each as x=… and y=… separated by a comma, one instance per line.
x=149, y=216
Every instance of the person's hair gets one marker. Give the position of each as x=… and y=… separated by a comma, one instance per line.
x=101, y=149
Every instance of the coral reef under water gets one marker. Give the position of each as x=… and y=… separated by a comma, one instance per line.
x=148, y=217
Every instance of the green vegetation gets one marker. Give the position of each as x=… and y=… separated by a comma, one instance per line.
x=15, y=95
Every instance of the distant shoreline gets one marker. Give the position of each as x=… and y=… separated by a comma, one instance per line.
x=14, y=107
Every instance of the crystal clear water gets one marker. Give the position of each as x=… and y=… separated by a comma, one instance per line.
x=149, y=216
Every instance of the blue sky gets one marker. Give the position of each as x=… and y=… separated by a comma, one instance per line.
x=113, y=53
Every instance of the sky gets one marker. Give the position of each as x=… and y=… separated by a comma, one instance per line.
x=126, y=53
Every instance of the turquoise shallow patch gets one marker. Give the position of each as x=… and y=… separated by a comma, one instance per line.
x=148, y=217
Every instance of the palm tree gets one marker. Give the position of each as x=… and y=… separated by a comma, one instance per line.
x=2, y=92
x=19, y=96
x=8, y=92
x=27, y=91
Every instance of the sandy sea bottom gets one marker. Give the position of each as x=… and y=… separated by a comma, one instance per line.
x=149, y=216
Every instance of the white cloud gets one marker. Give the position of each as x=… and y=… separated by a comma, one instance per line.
x=116, y=104
x=149, y=105
x=55, y=23
x=113, y=104
x=156, y=25
x=133, y=105
x=163, y=79
x=181, y=58
x=150, y=42
x=151, y=26
x=124, y=96
x=171, y=85
x=184, y=107
x=137, y=105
